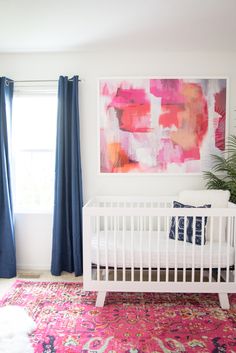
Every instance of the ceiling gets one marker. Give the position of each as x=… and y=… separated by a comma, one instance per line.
x=91, y=25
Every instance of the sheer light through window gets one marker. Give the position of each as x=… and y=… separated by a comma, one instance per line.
x=34, y=138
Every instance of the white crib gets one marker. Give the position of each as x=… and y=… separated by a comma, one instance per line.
x=126, y=247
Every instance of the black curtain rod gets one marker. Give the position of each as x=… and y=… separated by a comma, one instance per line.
x=25, y=81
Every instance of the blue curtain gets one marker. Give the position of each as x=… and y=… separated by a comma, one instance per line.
x=7, y=240
x=67, y=221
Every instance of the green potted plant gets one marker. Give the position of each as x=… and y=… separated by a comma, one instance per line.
x=223, y=174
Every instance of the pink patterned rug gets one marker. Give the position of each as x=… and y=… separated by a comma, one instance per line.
x=68, y=322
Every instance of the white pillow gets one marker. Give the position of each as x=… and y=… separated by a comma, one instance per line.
x=216, y=198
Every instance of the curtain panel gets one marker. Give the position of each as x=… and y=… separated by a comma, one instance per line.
x=7, y=236
x=67, y=219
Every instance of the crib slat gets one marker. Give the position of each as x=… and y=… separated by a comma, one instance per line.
x=149, y=248
x=184, y=254
x=219, y=249
x=140, y=248
x=211, y=243
x=132, y=248
x=228, y=247
x=167, y=249
x=202, y=246
x=106, y=246
x=158, y=248
x=234, y=243
x=115, y=248
x=98, y=246
x=123, y=248
x=193, y=248
x=176, y=246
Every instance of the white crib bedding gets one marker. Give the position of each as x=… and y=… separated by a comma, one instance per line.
x=178, y=254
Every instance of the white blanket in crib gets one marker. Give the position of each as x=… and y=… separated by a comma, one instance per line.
x=163, y=252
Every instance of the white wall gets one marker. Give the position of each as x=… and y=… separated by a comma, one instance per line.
x=34, y=243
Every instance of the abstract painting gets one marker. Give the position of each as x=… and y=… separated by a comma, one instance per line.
x=155, y=125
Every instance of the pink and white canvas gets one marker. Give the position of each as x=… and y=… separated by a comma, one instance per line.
x=161, y=125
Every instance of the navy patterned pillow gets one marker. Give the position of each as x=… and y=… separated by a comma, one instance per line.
x=200, y=223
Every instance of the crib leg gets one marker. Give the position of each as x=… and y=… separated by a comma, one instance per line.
x=100, y=299
x=224, y=300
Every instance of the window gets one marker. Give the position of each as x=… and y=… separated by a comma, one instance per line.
x=33, y=138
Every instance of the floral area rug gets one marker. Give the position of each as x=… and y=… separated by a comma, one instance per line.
x=68, y=321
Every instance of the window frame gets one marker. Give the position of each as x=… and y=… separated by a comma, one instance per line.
x=36, y=91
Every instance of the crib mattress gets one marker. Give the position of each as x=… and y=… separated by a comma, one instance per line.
x=163, y=253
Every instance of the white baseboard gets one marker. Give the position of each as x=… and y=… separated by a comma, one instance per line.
x=33, y=267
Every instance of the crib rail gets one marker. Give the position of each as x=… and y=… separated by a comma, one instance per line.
x=128, y=247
